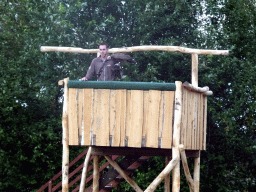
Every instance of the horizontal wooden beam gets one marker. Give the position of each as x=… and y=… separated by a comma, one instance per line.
x=138, y=48
x=98, y=150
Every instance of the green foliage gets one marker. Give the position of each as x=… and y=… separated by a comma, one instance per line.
x=31, y=101
x=229, y=160
x=30, y=111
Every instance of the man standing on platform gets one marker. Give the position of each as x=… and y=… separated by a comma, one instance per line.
x=103, y=66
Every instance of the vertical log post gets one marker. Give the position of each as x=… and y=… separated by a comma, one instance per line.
x=194, y=69
x=65, y=140
x=197, y=173
x=197, y=159
x=176, y=137
x=167, y=181
x=96, y=174
x=86, y=162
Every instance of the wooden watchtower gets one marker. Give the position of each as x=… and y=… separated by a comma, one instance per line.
x=137, y=117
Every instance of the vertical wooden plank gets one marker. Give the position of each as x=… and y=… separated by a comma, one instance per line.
x=145, y=116
x=96, y=106
x=190, y=115
x=87, y=115
x=168, y=119
x=126, y=140
x=119, y=109
x=192, y=120
x=195, y=120
x=72, y=120
x=184, y=116
x=113, y=114
x=123, y=107
x=161, y=119
x=102, y=119
x=135, y=133
x=200, y=120
x=153, y=117
x=205, y=121
x=80, y=100
x=105, y=114
x=97, y=120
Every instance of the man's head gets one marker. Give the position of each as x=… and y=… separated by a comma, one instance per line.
x=103, y=50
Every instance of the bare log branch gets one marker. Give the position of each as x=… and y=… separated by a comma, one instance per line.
x=205, y=90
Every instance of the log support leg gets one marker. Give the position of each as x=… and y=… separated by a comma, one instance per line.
x=86, y=162
x=176, y=177
x=96, y=173
x=176, y=137
x=167, y=182
x=197, y=173
x=193, y=183
x=65, y=138
x=186, y=169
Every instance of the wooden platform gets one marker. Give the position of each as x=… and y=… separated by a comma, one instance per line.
x=138, y=151
x=135, y=118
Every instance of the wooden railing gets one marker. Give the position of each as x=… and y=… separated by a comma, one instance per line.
x=109, y=177
x=49, y=184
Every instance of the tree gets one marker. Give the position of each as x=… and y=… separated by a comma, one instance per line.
x=29, y=97
x=229, y=161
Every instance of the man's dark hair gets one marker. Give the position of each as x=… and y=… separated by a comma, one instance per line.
x=104, y=44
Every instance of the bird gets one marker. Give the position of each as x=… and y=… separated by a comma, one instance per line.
x=121, y=57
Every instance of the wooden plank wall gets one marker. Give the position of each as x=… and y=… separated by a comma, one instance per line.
x=135, y=118
x=193, y=122
x=131, y=118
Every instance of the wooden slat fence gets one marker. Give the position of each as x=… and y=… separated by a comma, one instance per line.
x=135, y=118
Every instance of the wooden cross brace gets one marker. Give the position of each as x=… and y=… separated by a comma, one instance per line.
x=164, y=174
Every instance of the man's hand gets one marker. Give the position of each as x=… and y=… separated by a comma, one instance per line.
x=84, y=79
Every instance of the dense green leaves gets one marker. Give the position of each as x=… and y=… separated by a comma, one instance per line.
x=231, y=151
